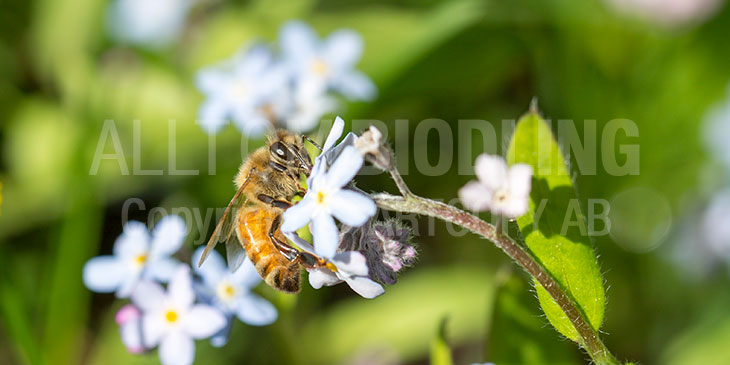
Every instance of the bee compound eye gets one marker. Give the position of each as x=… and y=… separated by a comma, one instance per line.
x=280, y=150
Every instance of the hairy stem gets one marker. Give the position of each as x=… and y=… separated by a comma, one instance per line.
x=410, y=203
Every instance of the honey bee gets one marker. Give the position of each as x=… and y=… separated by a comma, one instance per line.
x=267, y=182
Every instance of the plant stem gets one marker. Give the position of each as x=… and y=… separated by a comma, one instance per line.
x=410, y=203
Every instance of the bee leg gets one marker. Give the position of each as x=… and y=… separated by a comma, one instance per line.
x=289, y=252
x=273, y=202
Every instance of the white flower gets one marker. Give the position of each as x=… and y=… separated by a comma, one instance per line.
x=231, y=291
x=326, y=199
x=244, y=90
x=137, y=256
x=147, y=23
x=498, y=189
x=129, y=319
x=349, y=266
x=172, y=320
x=328, y=64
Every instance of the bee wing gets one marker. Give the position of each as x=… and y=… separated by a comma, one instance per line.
x=224, y=230
x=235, y=253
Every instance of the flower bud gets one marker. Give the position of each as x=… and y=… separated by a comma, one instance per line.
x=371, y=146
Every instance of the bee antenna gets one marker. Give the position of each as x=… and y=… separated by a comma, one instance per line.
x=312, y=142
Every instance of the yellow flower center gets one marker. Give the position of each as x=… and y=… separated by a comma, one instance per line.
x=331, y=266
x=319, y=67
x=240, y=90
x=171, y=316
x=140, y=259
x=226, y=291
x=321, y=197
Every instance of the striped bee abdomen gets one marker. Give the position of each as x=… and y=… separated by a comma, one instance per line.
x=272, y=266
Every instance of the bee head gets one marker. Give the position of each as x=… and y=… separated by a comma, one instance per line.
x=287, y=149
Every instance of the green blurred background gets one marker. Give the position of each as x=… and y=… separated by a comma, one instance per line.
x=62, y=77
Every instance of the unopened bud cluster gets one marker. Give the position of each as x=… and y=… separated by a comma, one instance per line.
x=386, y=246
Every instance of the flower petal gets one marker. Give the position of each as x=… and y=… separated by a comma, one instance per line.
x=203, y=321
x=298, y=40
x=519, y=178
x=298, y=215
x=177, y=349
x=213, y=269
x=351, y=263
x=256, y=311
x=104, y=274
x=128, y=284
x=351, y=207
x=335, y=152
x=491, y=171
x=337, y=128
x=516, y=206
x=475, y=196
x=168, y=236
x=148, y=296
x=134, y=240
x=322, y=277
x=213, y=115
x=220, y=339
x=325, y=235
x=365, y=287
x=180, y=291
x=162, y=269
x=246, y=276
x=355, y=86
x=344, y=168
x=152, y=329
x=343, y=48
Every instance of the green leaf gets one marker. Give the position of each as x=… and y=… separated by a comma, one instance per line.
x=558, y=237
x=440, y=351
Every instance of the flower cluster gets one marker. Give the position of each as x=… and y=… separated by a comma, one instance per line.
x=355, y=259
x=190, y=307
x=289, y=85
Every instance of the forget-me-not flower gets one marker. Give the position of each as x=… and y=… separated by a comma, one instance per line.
x=327, y=198
x=147, y=23
x=172, y=320
x=348, y=266
x=328, y=64
x=137, y=256
x=242, y=90
x=231, y=291
x=498, y=189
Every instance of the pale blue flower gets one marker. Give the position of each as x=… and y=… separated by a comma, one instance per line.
x=172, y=320
x=243, y=90
x=327, y=198
x=329, y=63
x=151, y=23
x=351, y=268
x=137, y=256
x=231, y=292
